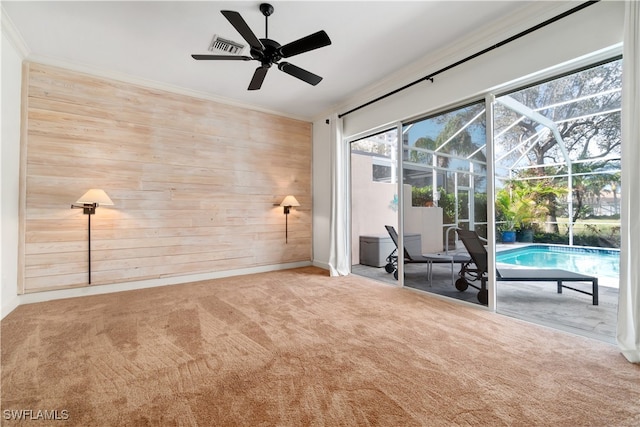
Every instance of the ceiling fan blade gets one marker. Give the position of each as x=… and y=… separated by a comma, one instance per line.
x=305, y=44
x=300, y=73
x=241, y=26
x=222, y=57
x=258, y=78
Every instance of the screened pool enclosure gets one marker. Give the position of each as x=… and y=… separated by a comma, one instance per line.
x=557, y=150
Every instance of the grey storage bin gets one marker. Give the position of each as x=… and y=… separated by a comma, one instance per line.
x=375, y=249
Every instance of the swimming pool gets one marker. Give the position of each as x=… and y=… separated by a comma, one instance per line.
x=591, y=261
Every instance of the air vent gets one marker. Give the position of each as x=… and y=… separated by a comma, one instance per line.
x=224, y=45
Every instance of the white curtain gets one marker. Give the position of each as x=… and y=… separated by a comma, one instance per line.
x=629, y=298
x=338, y=226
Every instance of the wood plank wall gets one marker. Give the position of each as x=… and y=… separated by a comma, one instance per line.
x=194, y=183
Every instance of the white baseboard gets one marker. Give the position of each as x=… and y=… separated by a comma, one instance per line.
x=9, y=306
x=323, y=265
x=143, y=284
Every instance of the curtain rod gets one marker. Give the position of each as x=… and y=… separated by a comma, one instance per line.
x=475, y=55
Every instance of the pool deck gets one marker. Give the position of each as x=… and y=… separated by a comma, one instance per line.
x=535, y=302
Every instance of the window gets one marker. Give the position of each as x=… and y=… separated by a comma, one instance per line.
x=560, y=141
x=445, y=164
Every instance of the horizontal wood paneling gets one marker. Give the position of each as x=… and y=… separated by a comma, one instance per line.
x=195, y=183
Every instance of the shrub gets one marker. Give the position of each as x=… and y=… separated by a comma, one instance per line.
x=594, y=238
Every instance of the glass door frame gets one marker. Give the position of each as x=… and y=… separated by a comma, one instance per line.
x=490, y=100
x=400, y=191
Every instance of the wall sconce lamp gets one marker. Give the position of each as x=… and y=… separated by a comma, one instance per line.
x=88, y=203
x=287, y=203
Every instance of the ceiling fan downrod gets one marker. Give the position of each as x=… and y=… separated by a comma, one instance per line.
x=266, y=10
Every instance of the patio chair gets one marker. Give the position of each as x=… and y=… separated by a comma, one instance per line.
x=478, y=253
x=414, y=258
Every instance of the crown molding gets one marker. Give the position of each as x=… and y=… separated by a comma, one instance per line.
x=12, y=34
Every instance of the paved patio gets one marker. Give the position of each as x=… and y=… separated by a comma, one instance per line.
x=535, y=302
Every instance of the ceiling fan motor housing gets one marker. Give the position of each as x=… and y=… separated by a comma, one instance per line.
x=271, y=53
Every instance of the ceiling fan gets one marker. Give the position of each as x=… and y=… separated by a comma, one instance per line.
x=269, y=52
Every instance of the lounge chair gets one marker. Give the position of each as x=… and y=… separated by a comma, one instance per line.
x=478, y=254
x=413, y=258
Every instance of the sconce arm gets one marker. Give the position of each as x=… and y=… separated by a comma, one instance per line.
x=88, y=208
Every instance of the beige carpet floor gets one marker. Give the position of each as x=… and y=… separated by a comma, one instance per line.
x=298, y=348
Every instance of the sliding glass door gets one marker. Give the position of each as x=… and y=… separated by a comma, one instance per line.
x=444, y=176
x=374, y=205
x=557, y=180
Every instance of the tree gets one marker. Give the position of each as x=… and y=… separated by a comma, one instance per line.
x=586, y=108
x=457, y=135
x=523, y=204
x=421, y=157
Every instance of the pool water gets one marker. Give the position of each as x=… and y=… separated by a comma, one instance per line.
x=590, y=261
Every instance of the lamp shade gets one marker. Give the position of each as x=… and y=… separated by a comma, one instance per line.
x=95, y=195
x=289, y=201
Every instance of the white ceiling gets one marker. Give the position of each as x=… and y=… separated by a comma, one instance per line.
x=153, y=41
